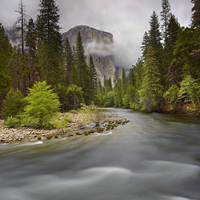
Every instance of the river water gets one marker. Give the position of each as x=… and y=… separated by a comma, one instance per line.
x=154, y=157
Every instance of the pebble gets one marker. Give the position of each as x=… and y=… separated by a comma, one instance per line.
x=8, y=135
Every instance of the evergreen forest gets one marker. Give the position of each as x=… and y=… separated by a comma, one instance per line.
x=166, y=74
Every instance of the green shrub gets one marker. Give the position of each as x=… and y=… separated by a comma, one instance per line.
x=60, y=123
x=13, y=104
x=12, y=122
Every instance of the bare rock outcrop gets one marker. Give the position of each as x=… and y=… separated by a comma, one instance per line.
x=97, y=43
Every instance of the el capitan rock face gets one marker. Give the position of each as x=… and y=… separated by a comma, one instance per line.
x=97, y=43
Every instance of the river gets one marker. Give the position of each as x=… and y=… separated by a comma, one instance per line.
x=154, y=157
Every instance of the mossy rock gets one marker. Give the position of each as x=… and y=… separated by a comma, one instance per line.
x=91, y=131
x=123, y=123
x=49, y=136
x=100, y=130
x=55, y=135
x=77, y=133
x=85, y=133
x=39, y=137
x=70, y=135
x=119, y=121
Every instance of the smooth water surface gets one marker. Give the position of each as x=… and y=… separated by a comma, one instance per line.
x=154, y=157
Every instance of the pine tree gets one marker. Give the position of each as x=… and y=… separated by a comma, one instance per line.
x=145, y=44
x=50, y=39
x=154, y=33
x=123, y=81
x=151, y=90
x=196, y=25
x=82, y=69
x=31, y=40
x=5, y=55
x=155, y=43
x=92, y=78
x=69, y=60
x=165, y=16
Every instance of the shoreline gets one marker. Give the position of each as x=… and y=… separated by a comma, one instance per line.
x=24, y=134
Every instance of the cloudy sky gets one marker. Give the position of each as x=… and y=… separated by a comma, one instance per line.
x=127, y=20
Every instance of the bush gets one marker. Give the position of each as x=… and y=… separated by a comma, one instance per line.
x=13, y=104
x=92, y=113
x=43, y=105
x=12, y=122
x=60, y=123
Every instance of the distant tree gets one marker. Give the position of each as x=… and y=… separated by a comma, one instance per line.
x=69, y=60
x=31, y=40
x=82, y=69
x=123, y=81
x=92, y=78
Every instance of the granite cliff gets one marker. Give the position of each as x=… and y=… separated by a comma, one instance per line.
x=97, y=43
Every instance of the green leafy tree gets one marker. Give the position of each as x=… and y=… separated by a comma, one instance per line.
x=13, y=104
x=74, y=96
x=43, y=105
x=171, y=97
x=190, y=90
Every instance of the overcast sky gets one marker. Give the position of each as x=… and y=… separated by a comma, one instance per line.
x=127, y=20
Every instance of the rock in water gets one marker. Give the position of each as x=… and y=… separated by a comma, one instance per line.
x=97, y=43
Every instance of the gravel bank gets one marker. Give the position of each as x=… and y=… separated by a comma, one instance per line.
x=8, y=135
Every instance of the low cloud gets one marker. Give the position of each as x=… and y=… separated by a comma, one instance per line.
x=104, y=48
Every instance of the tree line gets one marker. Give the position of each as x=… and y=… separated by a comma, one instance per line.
x=168, y=71
x=41, y=55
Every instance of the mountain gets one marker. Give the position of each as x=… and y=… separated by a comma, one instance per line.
x=97, y=43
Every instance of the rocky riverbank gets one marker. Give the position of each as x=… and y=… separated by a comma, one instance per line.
x=8, y=135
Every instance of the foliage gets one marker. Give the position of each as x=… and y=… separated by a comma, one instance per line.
x=151, y=89
x=57, y=123
x=171, y=96
x=13, y=104
x=74, y=96
x=43, y=105
x=91, y=113
x=190, y=90
x=12, y=122
x=109, y=99
x=5, y=54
